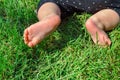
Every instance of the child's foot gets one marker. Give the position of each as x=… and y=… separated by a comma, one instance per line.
x=98, y=35
x=38, y=31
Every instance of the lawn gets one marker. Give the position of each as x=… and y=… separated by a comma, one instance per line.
x=66, y=54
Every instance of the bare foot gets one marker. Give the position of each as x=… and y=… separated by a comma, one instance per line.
x=98, y=35
x=38, y=31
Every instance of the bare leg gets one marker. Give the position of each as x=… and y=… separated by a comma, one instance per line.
x=100, y=22
x=49, y=16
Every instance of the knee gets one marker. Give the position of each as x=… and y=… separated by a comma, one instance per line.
x=105, y=19
x=47, y=9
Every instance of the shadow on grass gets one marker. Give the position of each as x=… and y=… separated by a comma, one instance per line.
x=70, y=29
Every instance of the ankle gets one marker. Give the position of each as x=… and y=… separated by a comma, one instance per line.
x=97, y=23
x=53, y=20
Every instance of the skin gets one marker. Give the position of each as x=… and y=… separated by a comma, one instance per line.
x=49, y=19
x=104, y=20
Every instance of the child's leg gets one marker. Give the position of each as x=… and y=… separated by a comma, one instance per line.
x=49, y=16
x=103, y=20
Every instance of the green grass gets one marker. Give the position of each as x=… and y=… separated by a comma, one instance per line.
x=67, y=54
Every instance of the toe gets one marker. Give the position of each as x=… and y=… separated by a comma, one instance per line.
x=30, y=44
x=105, y=41
x=108, y=42
x=26, y=36
x=33, y=42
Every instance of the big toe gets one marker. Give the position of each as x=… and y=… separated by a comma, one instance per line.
x=108, y=42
